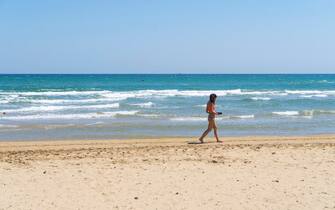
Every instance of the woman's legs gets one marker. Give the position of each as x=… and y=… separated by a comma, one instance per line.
x=216, y=135
x=204, y=134
x=210, y=127
x=216, y=132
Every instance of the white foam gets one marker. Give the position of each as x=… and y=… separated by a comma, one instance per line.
x=317, y=112
x=168, y=92
x=287, y=113
x=188, y=119
x=149, y=115
x=75, y=101
x=101, y=106
x=5, y=99
x=8, y=126
x=144, y=105
x=2, y=101
x=321, y=95
x=317, y=95
x=305, y=113
x=311, y=92
x=203, y=105
x=80, y=97
x=217, y=118
x=201, y=93
x=55, y=93
x=208, y=92
x=326, y=111
x=59, y=108
x=34, y=109
x=51, y=101
x=325, y=81
x=243, y=116
x=72, y=116
x=47, y=127
x=308, y=113
x=224, y=92
x=129, y=94
x=260, y=98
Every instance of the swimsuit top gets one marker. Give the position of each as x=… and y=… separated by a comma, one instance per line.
x=210, y=108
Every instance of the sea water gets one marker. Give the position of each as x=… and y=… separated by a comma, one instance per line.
x=141, y=106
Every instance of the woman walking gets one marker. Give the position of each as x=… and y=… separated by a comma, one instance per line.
x=210, y=109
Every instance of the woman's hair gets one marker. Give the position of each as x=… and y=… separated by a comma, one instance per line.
x=212, y=98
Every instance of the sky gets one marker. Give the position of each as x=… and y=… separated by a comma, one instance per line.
x=170, y=36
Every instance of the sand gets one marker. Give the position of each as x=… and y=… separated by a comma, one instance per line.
x=241, y=173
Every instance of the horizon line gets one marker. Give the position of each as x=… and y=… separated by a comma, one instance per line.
x=166, y=73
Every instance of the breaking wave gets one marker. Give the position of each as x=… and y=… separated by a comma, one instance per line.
x=72, y=116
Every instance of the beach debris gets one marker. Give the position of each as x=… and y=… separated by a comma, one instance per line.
x=136, y=198
x=273, y=153
x=214, y=161
x=276, y=180
x=44, y=172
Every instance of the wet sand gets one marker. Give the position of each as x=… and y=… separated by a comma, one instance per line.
x=169, y=173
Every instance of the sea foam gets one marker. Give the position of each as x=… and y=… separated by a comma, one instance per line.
x=144, y=105
x=59, y=108
x=260, y=98
x=287, y=113
x=242, y=116
x=72, y=116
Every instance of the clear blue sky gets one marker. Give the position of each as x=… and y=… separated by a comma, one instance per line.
x=170, y=36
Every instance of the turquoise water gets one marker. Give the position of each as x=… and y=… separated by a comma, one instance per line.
x=130, y=106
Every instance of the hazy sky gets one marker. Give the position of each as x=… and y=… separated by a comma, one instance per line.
x=170, y=36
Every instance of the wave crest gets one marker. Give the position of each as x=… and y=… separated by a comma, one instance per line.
x=60, y=108
x=72, y=116
x=144, y=105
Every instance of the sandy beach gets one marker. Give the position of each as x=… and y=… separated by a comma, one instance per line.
x=169, y=173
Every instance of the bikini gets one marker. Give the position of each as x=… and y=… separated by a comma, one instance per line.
x=211, y=111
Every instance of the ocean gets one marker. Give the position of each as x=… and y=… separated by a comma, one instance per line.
x=60, y=107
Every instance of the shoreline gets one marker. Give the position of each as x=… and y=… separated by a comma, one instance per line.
x=177, y=138
x=171, y=140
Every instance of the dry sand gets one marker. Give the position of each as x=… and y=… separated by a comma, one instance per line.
x=241, y=173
